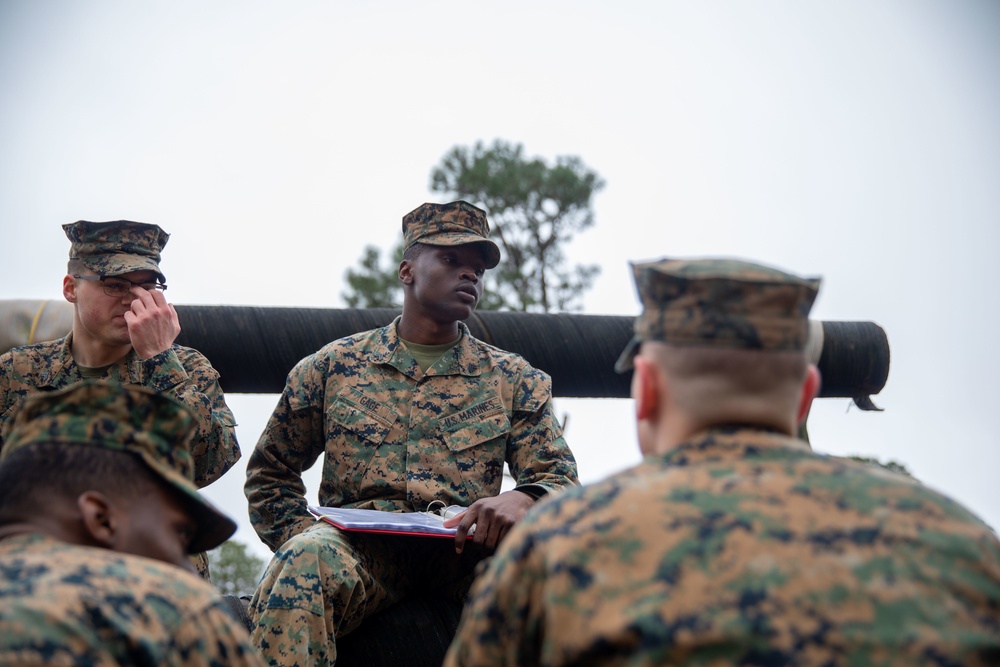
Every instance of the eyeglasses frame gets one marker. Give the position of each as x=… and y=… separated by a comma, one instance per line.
x=157, y=286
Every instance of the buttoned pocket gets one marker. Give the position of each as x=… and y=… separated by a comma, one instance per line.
x=475, y=425
x=356, y=413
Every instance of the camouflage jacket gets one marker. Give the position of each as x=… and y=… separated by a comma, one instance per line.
x=740, y=547
x=180, y=372
x=394, y=438
x=63, y=604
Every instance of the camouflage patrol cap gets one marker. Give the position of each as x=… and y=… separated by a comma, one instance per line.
x=114, y=248
x=720, y=303
x=151, y=425
x=455, y=223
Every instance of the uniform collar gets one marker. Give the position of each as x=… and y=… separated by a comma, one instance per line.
x=463, y=359
x=63, y=365
x=733, y=441
x=61, y=362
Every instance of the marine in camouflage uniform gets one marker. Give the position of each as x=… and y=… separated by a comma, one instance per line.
x=732, y=542
x=97, y=512
x=396, y=434
x=126, y=339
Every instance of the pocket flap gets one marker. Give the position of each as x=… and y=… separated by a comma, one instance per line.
x=481, y=422
x=362, y=415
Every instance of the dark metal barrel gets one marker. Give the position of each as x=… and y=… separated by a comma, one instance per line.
x=254, y=347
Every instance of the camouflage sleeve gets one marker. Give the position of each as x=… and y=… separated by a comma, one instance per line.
x=213, y=638
x=187, y=375
x=537, y=454
x=500, y=624
x=291, y=442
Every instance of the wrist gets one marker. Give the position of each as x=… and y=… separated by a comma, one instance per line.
x=532, y=491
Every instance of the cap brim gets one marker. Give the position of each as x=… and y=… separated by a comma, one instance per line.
x=213, y=527
x=490, y=249
x=116, y=265
x=624, y=363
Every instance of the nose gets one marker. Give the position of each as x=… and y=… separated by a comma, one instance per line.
x=469, y=273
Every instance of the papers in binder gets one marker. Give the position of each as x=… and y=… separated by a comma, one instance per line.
x=428, y=524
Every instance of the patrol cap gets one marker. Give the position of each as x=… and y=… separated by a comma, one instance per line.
x=723, y=303
x=455, y=223
x=151, y=425
x=114, y=248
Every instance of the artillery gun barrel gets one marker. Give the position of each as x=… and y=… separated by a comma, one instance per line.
x=254, y=347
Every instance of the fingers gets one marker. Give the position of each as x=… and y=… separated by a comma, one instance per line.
x=490, y=527
x=152, y=322
x=466, y=520
x=143, y=299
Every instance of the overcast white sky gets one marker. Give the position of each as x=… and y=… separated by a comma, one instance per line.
x=854, y=140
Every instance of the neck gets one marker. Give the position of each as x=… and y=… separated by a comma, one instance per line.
x=20, y=528
x=94, y=354
x=681, y=428
x=426, y=332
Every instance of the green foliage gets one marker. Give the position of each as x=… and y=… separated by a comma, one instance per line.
x=535, y=209
x=892, y=466
x=371, y=285
x=234, y=570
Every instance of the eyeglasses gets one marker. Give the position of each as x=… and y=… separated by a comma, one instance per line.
x=119, y=287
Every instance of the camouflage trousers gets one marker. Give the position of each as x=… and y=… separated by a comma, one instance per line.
x=322, y=583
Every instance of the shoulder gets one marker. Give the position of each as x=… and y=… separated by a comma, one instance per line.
x=79, y=592
x=34, y=351
x=869, y=484
x=510, y=363
x=55, y=569
x=349, y=349
x=27, y=366
x=345, y=357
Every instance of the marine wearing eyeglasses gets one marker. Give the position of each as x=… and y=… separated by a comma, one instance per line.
x=124, y=331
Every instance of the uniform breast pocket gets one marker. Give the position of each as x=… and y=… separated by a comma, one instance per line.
x=356, y=427
x=477, y=438
x=360, y=417
x=465, y=434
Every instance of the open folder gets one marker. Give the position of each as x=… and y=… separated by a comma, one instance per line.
x=428, y=524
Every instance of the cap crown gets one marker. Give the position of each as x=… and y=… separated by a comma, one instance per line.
x=113, y=248
x=124, y=418
x=723, y=303
x=455, y=223
x=101, y=414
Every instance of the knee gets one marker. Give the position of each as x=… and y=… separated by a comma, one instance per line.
x=315, y=555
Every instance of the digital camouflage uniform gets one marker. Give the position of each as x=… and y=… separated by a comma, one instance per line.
x=392, y=438
x=740, y=545
x=64, y=603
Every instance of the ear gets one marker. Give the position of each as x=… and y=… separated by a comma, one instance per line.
x=647, y=388
x=405, y=272
x=810, y=387
x=99, y=516
x=69, y=288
